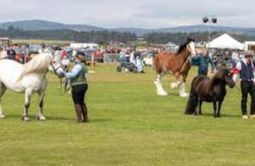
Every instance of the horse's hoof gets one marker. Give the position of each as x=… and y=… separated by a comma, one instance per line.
x=184, y=95
x=2, y=116
x=162, y=94
x=174, y=85
x=41, y=118
x=25, y=119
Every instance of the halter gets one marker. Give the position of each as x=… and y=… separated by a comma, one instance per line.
x=60, y=80
x=55, y=69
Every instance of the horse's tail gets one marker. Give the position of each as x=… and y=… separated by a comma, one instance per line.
x=193, y=99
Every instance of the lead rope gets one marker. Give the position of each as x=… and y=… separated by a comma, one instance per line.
x=183, y=66
x=60, y=80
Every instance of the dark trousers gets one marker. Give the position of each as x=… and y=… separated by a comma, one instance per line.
x=78, y=93
x=247, y=87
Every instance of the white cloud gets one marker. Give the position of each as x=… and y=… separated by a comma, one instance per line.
x=130, y=13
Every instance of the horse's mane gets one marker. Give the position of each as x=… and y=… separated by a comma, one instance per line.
x=183, y=46
x=220, y=74
x=39, y=64
x=218, y=77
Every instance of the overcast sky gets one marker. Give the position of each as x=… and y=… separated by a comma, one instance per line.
x=131, y=13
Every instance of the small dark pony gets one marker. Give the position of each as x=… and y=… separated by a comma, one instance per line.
x=209, y=90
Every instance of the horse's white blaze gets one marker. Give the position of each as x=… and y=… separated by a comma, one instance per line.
x=192, y=48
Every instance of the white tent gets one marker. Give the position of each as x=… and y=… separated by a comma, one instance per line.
x=225, y=41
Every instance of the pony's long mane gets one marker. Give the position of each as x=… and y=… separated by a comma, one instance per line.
x=184, y=45
x=219, y=75
x=39, y=64
x=217, y=78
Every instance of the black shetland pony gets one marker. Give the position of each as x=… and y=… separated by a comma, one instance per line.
x=209, y=90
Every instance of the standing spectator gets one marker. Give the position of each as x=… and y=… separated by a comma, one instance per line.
x=11, y=53
x=202, y=61
x=246, y=69
x=79, y=87
x=122, y=57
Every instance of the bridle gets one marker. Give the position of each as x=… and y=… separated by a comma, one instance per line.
x=55, y=69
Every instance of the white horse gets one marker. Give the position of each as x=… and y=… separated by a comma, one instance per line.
x=27, y=78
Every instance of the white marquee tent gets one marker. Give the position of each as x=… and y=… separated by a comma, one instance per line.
x=225, y=41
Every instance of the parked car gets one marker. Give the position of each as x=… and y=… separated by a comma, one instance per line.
x=148, y=58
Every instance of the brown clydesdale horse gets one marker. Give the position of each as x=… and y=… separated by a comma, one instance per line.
x=177, y=64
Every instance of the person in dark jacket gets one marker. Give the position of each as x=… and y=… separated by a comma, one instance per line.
x=78, y=77
x=246, y=71
x=11, y=53
x=203, y=61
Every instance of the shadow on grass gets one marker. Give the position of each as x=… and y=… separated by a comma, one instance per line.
x=173, y=94
x=59, y=118
x=73, y=119
x=222, y=115
x=99, y=120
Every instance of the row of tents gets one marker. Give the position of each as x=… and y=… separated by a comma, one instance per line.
x=225, y=41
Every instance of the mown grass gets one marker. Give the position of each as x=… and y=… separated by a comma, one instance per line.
x=129, y=125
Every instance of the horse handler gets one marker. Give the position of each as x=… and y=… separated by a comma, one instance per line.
x=79, y=87
x=246, y=69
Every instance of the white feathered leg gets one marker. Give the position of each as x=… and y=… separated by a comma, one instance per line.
x=40, y=116
x=28, y=94
x=175, y=85
x=1, y=112
x=2, y=90
x=182, y=90
x=160, y=90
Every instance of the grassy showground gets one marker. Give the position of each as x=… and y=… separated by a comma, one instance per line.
x=129, y=125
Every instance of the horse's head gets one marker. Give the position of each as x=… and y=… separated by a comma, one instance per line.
x=55, y=65
x=228, y=77
x=191, y=46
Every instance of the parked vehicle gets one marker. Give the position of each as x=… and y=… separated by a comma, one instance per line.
x=127, y=67
x=148, y=58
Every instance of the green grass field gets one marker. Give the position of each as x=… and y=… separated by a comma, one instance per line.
x=129, y=125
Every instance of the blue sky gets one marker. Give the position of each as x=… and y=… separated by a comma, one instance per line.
x=131, y=13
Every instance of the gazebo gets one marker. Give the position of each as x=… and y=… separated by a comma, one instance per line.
x=225, y=41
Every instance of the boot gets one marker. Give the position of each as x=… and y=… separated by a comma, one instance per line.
x=78, y=110
x=85, y=113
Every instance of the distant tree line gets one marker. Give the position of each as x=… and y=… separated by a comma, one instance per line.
x=103, y=37
x=178, y=38
x=92, y=36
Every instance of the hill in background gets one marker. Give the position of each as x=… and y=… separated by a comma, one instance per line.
x=35, y=25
